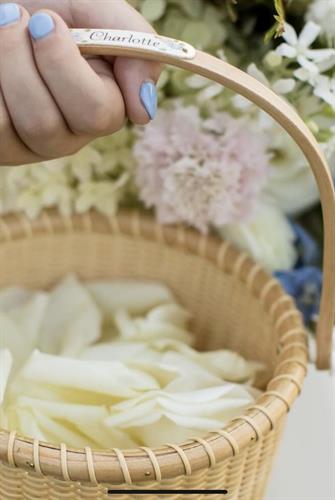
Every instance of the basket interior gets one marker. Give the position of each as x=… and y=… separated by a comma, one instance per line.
x=226, y=314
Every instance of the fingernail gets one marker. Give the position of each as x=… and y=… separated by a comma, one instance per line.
x=149, y=98
x=9, y=13
x=41, y=25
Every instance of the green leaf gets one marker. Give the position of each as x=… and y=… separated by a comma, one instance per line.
x=279, y=6
x=270, y=33
x=232, y=14
x=278, y=28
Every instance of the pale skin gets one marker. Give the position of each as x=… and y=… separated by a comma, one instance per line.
x=52, y=100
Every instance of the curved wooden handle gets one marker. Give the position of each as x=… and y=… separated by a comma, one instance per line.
x=153, y=47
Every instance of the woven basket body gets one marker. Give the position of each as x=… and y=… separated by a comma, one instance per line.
x=235, y=305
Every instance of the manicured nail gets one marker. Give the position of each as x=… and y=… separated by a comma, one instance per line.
x=9, y=13
x=41, y=25
x=149, y=98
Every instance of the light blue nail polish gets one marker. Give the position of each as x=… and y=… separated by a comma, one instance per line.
x=41, y=25
x=9, y=13
x=149, y=98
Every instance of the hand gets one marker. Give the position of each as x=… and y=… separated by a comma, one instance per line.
x=53, y=101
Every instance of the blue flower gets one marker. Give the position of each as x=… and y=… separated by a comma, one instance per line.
x=308, y=250
x=304, y=284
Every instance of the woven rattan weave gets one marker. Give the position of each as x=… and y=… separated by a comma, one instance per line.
x=235, y=305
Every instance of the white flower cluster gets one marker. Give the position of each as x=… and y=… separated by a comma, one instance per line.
x=110, y=364
x=98, y=177
x=312, y=62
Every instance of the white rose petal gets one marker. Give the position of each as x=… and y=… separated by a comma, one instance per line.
x=13, y=297
x=163, y=373
x=58, y=432
x=229, y=365
x=28, y=425
x=72, y=320
x=210, y=394
x=6, y=362
x=113, y=378
x=114, y=351
x=135, y=297
x=199, y=423
x=142, y=413
x=170, y=313
x=144, y=386
x=29, y=316
x=146, y=329
x=12, y=340
x=73, y=412
x=192, y=375
x=223, y=406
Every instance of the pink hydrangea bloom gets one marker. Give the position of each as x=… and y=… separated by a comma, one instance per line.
x=200, y=172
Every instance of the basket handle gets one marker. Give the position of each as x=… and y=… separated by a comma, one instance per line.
x=153, y=47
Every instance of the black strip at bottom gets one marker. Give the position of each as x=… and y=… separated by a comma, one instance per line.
x=168, y=492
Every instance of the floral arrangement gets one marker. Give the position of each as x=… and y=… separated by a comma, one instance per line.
x=227, y=167
x=111, y=364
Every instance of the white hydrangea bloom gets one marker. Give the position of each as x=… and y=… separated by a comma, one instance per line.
x=99, y=176
x=35, y=186
x=104, y=196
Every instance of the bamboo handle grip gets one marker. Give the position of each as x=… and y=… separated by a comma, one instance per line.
x=176, y=53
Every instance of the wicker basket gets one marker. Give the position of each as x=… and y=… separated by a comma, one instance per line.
x=235, y=305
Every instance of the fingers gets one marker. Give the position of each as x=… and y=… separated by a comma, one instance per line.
x=34, y=114
x=137, y=81
x=12, y=150
x=131, y=75
x=91, y=103
x=53, y=101
x=136, y=78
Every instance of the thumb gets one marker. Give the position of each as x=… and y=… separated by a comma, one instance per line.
x=136, y=78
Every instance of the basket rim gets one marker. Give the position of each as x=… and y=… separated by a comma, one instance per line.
x=171, y=460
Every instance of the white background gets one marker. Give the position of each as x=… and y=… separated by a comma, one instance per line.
x=305, y=465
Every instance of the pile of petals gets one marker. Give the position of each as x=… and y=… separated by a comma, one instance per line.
x=111, y=364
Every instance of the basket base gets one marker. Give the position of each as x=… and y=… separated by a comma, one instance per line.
x=243, y=477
